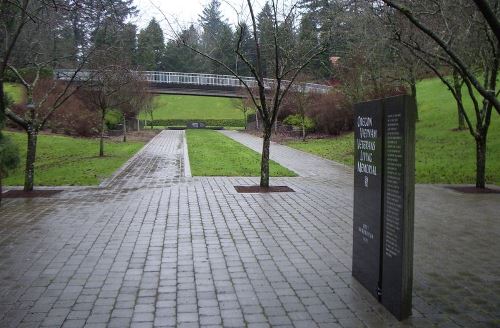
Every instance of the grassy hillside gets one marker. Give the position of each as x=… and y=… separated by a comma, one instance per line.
x=15, y=91
x=71, y=161
x=213, y=154
x=442, y=154
x=168, y=107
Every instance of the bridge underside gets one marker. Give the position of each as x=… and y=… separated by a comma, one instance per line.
x=197, y=90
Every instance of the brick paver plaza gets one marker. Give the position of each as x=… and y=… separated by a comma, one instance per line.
x=153, y=248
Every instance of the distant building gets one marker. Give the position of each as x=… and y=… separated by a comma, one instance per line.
x=334, y=60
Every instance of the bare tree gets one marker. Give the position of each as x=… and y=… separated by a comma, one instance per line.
x=44, y=96
x=490, y=15
x=458, y=84
x=245, y=105
x=284, y=63
x=134, y=97
x=27, y=23
x=451, y=55
x=148, y=108
x=13, y=18
x=476, y=60
x=109, y=87
x=299, y=100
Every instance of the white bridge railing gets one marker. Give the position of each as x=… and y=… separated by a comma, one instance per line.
x=195, y=79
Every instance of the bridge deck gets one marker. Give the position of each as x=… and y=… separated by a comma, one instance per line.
x=194, y=81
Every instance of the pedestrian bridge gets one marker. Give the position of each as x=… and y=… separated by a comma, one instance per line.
x=196, y=83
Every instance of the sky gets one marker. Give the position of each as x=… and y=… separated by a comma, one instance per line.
x=184, y=11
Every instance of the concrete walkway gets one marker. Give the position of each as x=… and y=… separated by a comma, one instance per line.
x=153, y=248
x=304, y=164
x=160, y=163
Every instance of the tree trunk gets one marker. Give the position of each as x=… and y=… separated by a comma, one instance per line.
x=481, y=161
x=458, y=90
x=101, y=140
x=303, y=128
x=124, y=129
x=245, y=115
x=413, y=87
x=29, y=172
x=264, y=163
x=461, y=119
x=152, y=126
x=1, y=189
x=257, y=120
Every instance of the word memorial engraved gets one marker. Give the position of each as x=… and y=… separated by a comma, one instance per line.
x=367, y=197
x=384, y=184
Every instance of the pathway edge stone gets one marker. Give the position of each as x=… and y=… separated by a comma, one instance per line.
x=187, y=164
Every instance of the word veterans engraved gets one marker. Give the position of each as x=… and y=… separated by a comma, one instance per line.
x=384, y=200
x=368, y=198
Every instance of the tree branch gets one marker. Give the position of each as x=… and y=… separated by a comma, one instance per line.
x=489, y=16
x=16, y=118
x=487, y=94
x=452, y=90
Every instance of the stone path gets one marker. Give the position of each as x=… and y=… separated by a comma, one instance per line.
x=306, y=165
x=152, y=248
x=159, y=164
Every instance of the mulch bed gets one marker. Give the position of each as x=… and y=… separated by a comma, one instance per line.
x=474, y=190
x=30, y=194
x=259, y=189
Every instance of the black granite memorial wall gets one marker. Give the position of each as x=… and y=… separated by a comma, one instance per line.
x=384, y=186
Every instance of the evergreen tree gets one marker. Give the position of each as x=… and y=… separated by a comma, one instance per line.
x=333, y=22
x=151, y=47
x=117, y=40
x=265, y=26
x=176, y=57
x=309, y=38
x=247, y=48
x=88, y=18
x=217, y=38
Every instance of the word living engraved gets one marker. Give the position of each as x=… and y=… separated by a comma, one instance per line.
x=366, y=146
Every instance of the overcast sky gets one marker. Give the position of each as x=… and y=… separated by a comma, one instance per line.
x=184, y=11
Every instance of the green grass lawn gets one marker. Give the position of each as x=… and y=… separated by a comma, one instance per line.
x=442, y=155
x=15, y=91
x=339, y=149
x=63, y=161
x=168, y=107
x=213, y=154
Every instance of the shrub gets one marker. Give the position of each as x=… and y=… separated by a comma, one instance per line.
x=296, y=121
x=113, y=118
x=75, y=117
x=332, y=113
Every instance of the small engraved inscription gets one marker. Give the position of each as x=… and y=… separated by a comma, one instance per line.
x=394, y=181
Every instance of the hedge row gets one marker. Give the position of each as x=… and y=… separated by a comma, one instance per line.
x=208, y=122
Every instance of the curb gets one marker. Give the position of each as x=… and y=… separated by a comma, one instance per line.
x=185, y=157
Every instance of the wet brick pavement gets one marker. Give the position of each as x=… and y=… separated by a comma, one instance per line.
x=153, y=248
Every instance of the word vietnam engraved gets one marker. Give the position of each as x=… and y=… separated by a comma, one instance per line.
x=384, y=192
